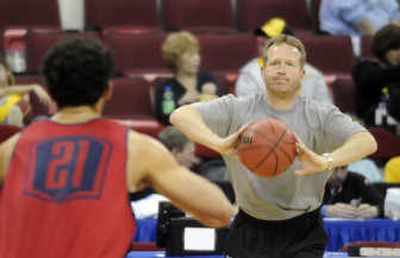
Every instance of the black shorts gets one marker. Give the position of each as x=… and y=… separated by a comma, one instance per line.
x=300, y=237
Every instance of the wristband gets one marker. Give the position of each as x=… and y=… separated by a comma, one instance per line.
x=329, y=159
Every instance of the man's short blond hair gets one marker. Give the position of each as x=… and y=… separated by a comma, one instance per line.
x=285, y=39
x=176, y=44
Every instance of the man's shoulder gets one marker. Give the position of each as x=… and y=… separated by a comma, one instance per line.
x=316, y=105
x=252, y=65
x=311, y=70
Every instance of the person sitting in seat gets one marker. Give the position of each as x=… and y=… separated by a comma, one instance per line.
x=350, y=195
x=181, y=54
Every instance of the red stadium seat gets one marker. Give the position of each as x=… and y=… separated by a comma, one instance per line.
x=131, y=104
x=253, y=13
x=344, y=94
x=6, y=131
x=32, y=13
x=330, y=54
x=388, y=143
x=39, y=41
x=199, y=16
x=366, y=47
x=315, y=5
x=226, y=53
x=136, y=15
x=136, y=53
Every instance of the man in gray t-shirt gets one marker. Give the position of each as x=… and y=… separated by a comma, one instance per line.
x=285, y=207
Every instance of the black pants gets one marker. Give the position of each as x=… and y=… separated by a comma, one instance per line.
x=300, y=237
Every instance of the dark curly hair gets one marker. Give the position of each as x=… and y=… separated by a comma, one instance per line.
x=77, y=71
x=387, y=38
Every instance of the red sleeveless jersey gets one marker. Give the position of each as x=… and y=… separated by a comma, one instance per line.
x=65, y=193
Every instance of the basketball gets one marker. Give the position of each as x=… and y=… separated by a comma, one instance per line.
x=267, y=147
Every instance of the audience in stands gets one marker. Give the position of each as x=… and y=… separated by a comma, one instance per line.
x=250, y=80
x=16, y=100
x=179, y=145
x=181, y=54
x=357, y=17
x=379, y=79
x=392, y=170
x=350, y=195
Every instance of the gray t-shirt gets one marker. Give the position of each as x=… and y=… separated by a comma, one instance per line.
x=322, y=128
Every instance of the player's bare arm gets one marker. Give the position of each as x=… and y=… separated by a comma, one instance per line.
x=151, y=163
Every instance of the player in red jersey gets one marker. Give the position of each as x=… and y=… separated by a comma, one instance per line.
x=66, y=179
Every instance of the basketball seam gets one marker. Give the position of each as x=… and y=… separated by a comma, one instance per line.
x=271, y=150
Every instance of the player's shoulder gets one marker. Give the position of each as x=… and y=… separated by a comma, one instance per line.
x=142, y=143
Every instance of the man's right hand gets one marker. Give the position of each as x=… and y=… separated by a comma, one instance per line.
x=228, y=145
x=342, y=210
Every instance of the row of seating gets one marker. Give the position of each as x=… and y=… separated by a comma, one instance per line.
x=221, y=15
x=141, y=53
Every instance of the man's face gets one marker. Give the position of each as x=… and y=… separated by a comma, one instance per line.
x=186, y=156
x=282, y=71
x=393, y=56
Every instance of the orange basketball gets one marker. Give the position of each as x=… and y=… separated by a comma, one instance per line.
x=267, y=147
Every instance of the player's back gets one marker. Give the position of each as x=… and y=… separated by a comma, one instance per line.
x=65, y=193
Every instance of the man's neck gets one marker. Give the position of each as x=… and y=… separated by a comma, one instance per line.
x=281, y=102
x=76, y=114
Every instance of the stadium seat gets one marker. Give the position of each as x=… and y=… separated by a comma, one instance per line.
x=198, y=16
x=6, y=131
x=388, y=143
x=344, y=94
x=226, y=53
x=314, y=14
x=39, y=41
x=32, y=13
x=253, y=13
x=136, y=53
x=135, y=15
x=330, y=54
x=131, y=105
x=366, y=47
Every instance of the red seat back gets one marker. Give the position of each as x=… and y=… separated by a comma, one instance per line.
x=136, y=53
x=39, y=41
x=226, y=52
x=192, y=15
x=253, y=13
x=130, y=100
x=344, y=94
x=330, y=54
x=135, y=13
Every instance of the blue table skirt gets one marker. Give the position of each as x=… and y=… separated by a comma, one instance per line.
x=162, y=254
x=340, y=232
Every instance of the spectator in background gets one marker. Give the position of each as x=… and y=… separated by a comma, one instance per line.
x=372, y=77
x=250, y=80
x=357, y=17
x=179, y=145
x=350, y=195
x=16, y=100
x=181, y=54
x=183, y=151
x=392, y=170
